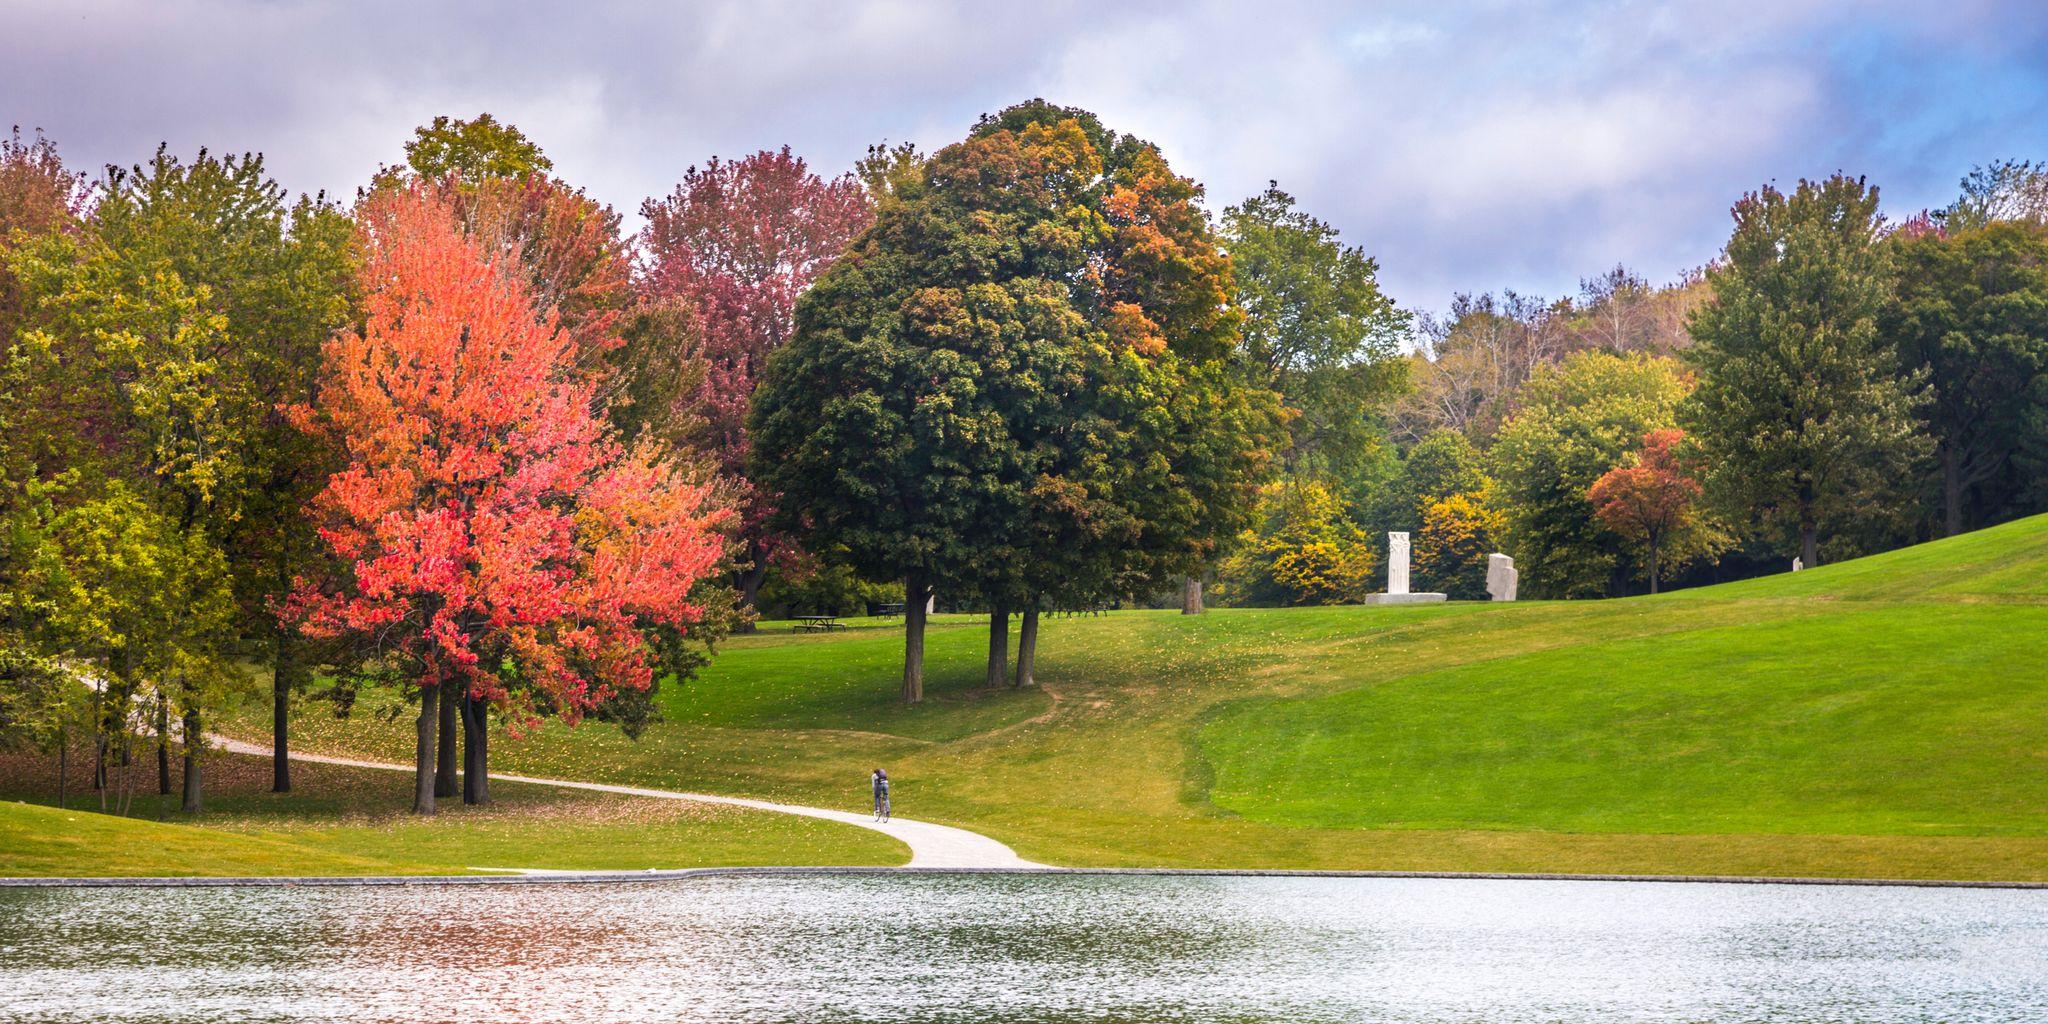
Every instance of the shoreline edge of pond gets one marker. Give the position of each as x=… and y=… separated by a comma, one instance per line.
x=687, y=874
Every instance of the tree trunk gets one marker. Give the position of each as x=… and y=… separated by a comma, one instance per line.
x=445, y=783
x=423, y=750
x=476, y=751
x=1653, y=564
x=99, y=746
x=163, y=747
x=998, y=648
x=1951, y=492
x=63, y=763
x=1191, y=595
x=749, y=583
x=1809, y=525
x=195, y=738
x=915, y=593
x=1027, y=647
x=124, y=786
x=283, y=676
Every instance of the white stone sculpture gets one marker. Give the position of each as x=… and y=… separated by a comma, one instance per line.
x=1501, y=577
x=1397, y=564
x=1397, y=576
x=1798, y=564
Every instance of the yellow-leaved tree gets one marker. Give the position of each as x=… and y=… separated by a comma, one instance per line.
x=1304, y=551
x=1450, y=551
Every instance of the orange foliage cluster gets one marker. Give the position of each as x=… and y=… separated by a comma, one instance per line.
x=487, y=524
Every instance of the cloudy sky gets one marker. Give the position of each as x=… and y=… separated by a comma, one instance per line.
x=1468, y=146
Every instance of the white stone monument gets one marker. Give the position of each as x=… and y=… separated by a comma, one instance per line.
x=1798, y=564
x=1397, y=563
x=1397, y=576
x=1501, y=577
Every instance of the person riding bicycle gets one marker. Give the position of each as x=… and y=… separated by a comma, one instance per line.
x=880, y=780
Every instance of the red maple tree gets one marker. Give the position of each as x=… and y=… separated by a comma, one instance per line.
x=740, y=241
x=1649, y=500
x=575, y=261
x=488, y=529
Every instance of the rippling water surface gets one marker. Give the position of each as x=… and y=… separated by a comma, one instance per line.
x=1004, y=949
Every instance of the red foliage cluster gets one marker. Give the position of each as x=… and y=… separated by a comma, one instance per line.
x=1650, y=500
x=488, y=526
x=568, y=244
x=740, y=241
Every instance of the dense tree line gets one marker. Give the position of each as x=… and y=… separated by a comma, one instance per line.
x=464, y=437
x=1833, y=384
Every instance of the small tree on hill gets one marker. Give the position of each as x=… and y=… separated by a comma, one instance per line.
x=1651, y=499
x=1304, y=551
x=1578, y=419
x=1457, y=533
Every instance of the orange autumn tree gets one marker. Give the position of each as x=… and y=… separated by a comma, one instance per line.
x=1650, y=500
x=488, y=531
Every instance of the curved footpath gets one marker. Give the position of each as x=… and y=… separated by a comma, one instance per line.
x=931, y=846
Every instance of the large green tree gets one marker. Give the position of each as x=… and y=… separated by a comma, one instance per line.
x=1802, y=416
x=1317, y=329
x=1578, y=419
x=1019, y=382
x=279, y=275
x=1970, y=310
x=38, y=196
x=165, y=334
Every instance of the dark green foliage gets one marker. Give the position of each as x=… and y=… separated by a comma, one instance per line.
x=1442, y=464
x=1804, y=422
x=1578, y=420
x=1017, y=382
x=1317, y=329
x=1970, y=311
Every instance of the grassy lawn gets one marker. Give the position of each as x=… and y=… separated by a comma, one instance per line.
x=351, y=821
x=48, y=841
x=1874, y=718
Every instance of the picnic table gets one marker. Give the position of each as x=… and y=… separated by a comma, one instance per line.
x=822, y=623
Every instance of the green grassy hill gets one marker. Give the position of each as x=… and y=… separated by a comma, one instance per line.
x=1884, y=717
x=47, y=841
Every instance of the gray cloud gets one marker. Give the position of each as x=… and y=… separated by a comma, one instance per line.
x=1490, y=145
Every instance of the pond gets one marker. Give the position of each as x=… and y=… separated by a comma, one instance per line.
x=995, y=948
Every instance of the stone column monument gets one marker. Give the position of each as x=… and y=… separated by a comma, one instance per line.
x=1397, y=576
x=1501, y=577
x=1397, y=564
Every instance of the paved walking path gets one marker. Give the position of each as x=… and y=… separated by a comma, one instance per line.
x=931, y=846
